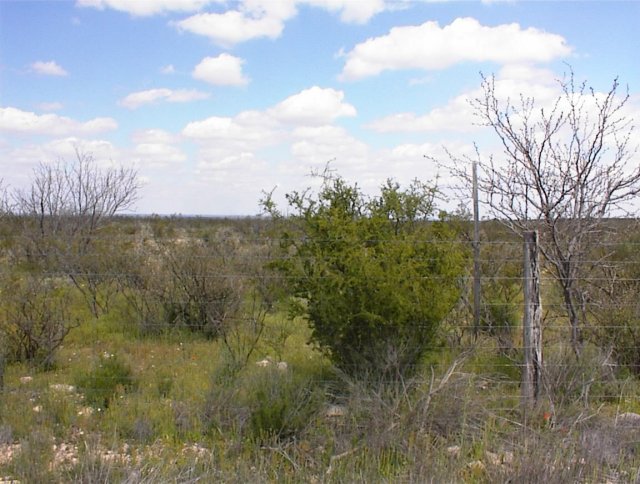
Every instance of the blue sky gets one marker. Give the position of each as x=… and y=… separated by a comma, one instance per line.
x=213, y=101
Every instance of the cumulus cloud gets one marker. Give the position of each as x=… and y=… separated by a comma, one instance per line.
x=157, y=154
x=232, y=27
x=154, y=136
x=458, y=113
x=103, y=152
x=224, y=70
x=233, y=168
x=431, y=47
x=168, y=69
x=18, y=121
x=301, y=119
x=150, y=96
x=313, y=106
x=147, y=7
x=53, y=106
x=249, y=129
x=319, y=144
x=254, y=19
x=156, y=148
x=358, y=12
x=48, y=68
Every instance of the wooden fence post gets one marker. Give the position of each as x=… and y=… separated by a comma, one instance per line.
x=476, y=253
x=532, y=323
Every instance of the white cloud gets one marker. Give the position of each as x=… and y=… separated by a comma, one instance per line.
x=458, y=114
x=18, y=121
x=154, y=136
x=103, y=152
x=431, y=47
x=230, y=167
x=53, y=106
x=313, y=106
x=168, y=69
x=156, y=148
x=150, y=96
x=48, y=68
x=224, y=70
x=248, y=129
x=147, y=7
x=266, y=18
x=359, y=11
x=319, y=144
x=299, y=123
x=232, y=27
x=157, y=154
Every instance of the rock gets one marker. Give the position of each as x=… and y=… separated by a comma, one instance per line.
x=85, y=411
x=499, y=459
x=7, y=451
x=335, y=411
x=26, y=379
x=453, y=451
x=8, y=480
x=507, y=457
x=282, y=366
x=628, y=419
x=65, y=454
x=61, y=387
x=264, y=363
x=493, y=458
x=477, y=467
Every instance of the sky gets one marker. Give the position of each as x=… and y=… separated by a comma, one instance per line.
x=214, y=102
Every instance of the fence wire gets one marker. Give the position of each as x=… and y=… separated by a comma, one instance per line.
x=148, y=342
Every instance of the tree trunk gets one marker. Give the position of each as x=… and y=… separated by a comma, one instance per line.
x=568, y=294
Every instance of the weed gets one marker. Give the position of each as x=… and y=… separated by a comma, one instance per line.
x=33, y=461
x=108, y=378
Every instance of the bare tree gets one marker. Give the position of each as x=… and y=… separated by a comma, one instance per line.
x=564, y=170
x=66, y=208
x=4, y=199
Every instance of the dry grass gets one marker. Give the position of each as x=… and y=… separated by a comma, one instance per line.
x=194, y=416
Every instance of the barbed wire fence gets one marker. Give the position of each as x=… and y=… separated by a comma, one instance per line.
x=155, y=297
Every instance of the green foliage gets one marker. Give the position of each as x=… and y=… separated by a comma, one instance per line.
x=374, y=276
x=109, y=377
x=501, y=270
x=33, y=462
x=614, y=303
x=281, y=404
x=189, y=283
x=35, y=317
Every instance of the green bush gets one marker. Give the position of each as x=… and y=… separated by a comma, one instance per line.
x=35, y=318
x=613, y=302
x=193, y=284
x=374, y=276
x=281, y=404
x=108, y=378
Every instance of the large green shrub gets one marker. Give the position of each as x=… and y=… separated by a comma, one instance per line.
x=374, y=276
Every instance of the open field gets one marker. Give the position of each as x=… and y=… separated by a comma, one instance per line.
x=130, y=398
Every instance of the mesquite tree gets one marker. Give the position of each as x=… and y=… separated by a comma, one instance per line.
x=564, y=169
x=65, y=210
